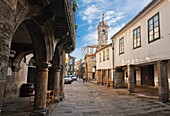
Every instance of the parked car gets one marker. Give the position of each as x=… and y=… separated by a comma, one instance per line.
x=74, y=77
x=68, y=79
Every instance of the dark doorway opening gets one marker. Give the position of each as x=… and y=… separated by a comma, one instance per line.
x=147, y=75
x=135, y=77
x=93, y=75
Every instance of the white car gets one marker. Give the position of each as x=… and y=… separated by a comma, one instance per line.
x=68, y=79
x=74, y=77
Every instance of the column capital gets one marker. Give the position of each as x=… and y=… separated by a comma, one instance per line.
x=43, y=65
x=56, y=68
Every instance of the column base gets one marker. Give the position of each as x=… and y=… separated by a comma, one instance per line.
x=131, y=91
x=164, y=98
x=57, y=99
x=108, y=85
x=40, y=112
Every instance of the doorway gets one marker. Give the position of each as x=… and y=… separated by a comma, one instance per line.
x=147, y=75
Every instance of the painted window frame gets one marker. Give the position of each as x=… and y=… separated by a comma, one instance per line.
x=154, y=28
x=137, y=37
x=121, y=46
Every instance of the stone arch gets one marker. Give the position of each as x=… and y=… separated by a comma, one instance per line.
x=17, y=60
x=24, y=16
x=56, y=57
x=30, y=15
x=38, y=41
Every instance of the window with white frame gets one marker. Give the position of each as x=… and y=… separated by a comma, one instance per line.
x=153, y=28
x=137, y=37
x=121, y=45
x=91, y=50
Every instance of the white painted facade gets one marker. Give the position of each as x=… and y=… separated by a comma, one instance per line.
x=107, y=63
x=148, y=53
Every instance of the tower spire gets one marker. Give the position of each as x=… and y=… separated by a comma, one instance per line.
x=102, y=17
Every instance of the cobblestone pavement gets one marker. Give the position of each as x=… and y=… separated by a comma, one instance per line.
x=88, y=99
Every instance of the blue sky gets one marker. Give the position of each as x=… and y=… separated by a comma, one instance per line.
x=117, y=14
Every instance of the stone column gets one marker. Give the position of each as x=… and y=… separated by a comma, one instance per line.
x=131, y=82
x=61, y=94
x=56, y=80
x=108, y=78
x=41, y=86
x=163, y=81
x=102, y=77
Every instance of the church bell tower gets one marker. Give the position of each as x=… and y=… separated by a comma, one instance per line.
x=102, y=32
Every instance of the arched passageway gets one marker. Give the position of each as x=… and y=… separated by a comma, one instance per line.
x=33, y=29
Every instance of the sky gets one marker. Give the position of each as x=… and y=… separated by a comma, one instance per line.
x=117, y=13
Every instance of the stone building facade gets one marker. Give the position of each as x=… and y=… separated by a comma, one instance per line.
x=41, y=31
x=90, y=63
x=70, y=65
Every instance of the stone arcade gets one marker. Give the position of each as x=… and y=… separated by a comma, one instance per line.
x=37, y=33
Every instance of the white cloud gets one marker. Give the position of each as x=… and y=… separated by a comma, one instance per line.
x=92, y=1
x=90, y=13
x=90, y=28
x=112, y=16
x=90, y=38
x=114, y=30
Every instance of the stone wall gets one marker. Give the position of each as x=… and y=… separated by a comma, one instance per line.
x=6, y=31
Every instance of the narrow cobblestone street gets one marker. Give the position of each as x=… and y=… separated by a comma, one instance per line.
x=88, y=99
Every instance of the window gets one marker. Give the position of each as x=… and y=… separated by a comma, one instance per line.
x=88, y=50
x=121, y=45
x=70, y=61
x=100, y=57
x=103, y=32
x=153, y=28
x=107, y=54
x=103, y=55
x=137, y=37
x=71, y=68
x=91, y=50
